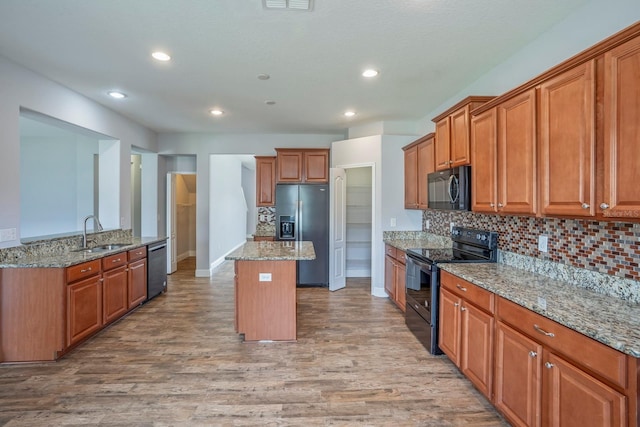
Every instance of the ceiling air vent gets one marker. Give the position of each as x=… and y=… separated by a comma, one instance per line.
x=288, y=4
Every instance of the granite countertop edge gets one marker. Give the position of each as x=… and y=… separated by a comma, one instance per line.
x=273, y=251
x=70, y=258
x=404, y=244
x=608, y=320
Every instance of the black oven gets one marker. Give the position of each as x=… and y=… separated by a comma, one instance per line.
x=423, y=278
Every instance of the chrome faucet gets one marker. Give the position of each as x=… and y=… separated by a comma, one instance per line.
x=84, y=234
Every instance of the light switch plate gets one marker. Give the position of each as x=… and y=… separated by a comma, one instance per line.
x=393, y=222
x=8, y=235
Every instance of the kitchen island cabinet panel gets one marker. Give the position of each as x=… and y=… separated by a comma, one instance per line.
x=266, y=300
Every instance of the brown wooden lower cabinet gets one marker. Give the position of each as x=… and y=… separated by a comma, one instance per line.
x=84, y=309
x=263, y=238
x=395, y=276
x=115, y=302
x=540, y=373
x=137, y=282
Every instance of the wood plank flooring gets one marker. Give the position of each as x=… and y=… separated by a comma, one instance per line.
x=177, y=361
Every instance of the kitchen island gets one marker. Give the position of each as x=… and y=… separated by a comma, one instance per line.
x=265, y=288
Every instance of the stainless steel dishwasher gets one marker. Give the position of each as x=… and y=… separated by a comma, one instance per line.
x=156, y=269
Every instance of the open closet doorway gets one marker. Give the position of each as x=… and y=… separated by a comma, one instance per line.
x=181, y=218
x=358, y=221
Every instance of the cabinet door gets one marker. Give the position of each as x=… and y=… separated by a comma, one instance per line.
x=265, y=181
x=572, y=398
x=459, y=146
x=316, y=166
x=518, y=384
x=114, y=294
x=449, y=325
x=484, y=156
x=426, y=165
x=84, y=309
x=476, y=360
x=401, y=271
x=567, y=142
x=137, y=283
x=389, y=277
x=517, y=154
x=289, y=166
x=443, y=140
x=621, y=131
x=411, y=177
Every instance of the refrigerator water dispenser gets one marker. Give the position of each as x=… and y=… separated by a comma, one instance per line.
x=287, y=229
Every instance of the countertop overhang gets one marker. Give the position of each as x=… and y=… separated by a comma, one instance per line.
x=273, y=251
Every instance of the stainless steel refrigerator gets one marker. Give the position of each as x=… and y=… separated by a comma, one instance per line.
x=302, y=213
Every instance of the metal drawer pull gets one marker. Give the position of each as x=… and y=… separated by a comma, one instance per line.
x=455, y=304
x=543, y=332
x=604, y=206
x=548, y=365
x=463, y=308
x=116, y=260
x=85, y=270
x=463, y=289
x=138, y=253
x=533, y=354
x=585, y=206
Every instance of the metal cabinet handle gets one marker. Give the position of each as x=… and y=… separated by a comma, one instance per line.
x=548, y=365
x=586, y=206
x=463, y=289
x=85, y=270
x=492, y=205
x=533, y=354
x=604, y=206
x=455, y=304
x=463, y=308
x=116, y=260
x=500, y=205
x=450, y=162
x=138, y=253
x=543, y=332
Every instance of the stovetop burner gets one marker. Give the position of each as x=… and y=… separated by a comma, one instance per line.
x=469, y=245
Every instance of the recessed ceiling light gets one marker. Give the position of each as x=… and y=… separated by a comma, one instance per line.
x=370, y=73
x=161, y=56
x=116, y=94
x=216, y=112
x=270, y=102
x=264, y=76
x=288, y=4
x=349, y=113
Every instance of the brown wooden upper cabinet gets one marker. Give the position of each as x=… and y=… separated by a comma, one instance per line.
x=566, y=143
x=419, y=161
x=503, y=151
x=452, y=133
x=265, y=180
x=309, y=165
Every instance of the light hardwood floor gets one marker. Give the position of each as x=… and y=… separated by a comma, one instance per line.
x=177, y=361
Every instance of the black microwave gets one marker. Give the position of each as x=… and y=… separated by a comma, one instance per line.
x=450, y=189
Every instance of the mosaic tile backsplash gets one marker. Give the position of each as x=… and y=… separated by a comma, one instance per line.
x=606, y=247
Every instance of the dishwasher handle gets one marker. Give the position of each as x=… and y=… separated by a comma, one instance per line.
x=155, y=248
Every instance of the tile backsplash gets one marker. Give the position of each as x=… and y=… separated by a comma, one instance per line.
x=606, y=247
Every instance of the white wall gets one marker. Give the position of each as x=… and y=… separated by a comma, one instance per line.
x=384, y=154
x=22, y=88
x=249, y=188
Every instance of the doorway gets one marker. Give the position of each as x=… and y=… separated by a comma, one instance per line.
x=359, y=212
x=181, y=219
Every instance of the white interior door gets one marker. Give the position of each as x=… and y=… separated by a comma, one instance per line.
x=337, y=229
x=172, y=262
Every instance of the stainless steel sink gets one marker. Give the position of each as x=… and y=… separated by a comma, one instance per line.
x=103, y=248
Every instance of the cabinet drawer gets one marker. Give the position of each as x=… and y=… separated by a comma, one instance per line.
x=390, y=250
x=400, y=256
x=81, y=271
x=604, y=361
x=470, y=292
x=137, y=253
x=113, y=261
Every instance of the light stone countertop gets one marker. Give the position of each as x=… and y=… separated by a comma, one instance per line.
x=68, y=258
x=404, y=244
x=273, y=251
x=609, y=320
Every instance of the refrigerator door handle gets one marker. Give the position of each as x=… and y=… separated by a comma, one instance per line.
x=301, y=226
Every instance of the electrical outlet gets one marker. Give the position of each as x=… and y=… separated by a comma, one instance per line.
x=264, y=277
x=542, y=303
x=426, y=224
x=393, y=222
x=451, y=225
x=542, y=243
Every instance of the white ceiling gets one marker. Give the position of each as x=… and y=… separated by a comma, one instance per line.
x=426, y=51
